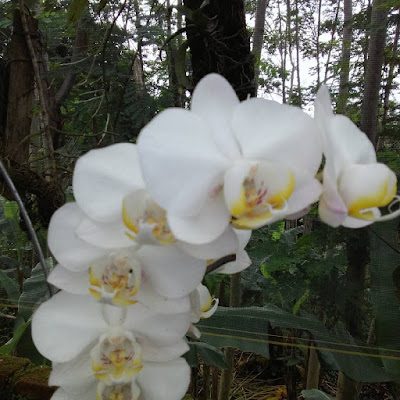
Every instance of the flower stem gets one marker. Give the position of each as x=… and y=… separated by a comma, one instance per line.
x=28, y=223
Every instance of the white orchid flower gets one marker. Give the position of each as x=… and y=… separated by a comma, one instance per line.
x=203, y=306
x=119, y=212
x=242, y=258
x=129, y=353
x=160, y=277
x=355, y=185
x=252, y=162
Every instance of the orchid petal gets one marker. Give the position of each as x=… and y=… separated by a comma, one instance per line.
x=64, y=325
x=208, y=225
x=164, y=353
x=233, y=267
x=355, y=223
x=303, y=196
x=214, y=100
x=244, y=237
x=76, y=376
x=67, y=248
x=160, y=329
x=346, y=144
x=269, y=131
x=323, y=106
x=224, y=245
x=166, y=381
x=180, y=161
x=365, y=187
x=105, y=235
x=160, y=304
x=70, y=281
x=171, y=272
x=103, y=177
x=62, y=394
x=331, y=208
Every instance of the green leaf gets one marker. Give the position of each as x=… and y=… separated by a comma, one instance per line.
x=10, y=346
x=247, y=329
x=315, y=394
x=34, y=291
x=210, y=354
x=191, y=356
x=230, y=327
x=300, y=301
x=76, y=9
x=11, y=287
x=385, y=262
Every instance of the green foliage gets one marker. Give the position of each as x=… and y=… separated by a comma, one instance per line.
x=247, y=329
x=209, y=354
x=385, y=285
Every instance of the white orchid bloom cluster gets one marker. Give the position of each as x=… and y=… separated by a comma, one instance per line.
x=148, y=219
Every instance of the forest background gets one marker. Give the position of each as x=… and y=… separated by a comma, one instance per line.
x=77, y=75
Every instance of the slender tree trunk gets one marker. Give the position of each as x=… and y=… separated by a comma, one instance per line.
x=389, y=82
x=282, y=52
x=318, y=44
x=331, y=42
x=258, y=37
x=345, y=58
x=373, y=74
x=20, y=94
x=297, y=29
x=358, y=240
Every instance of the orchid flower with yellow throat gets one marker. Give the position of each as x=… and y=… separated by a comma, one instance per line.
x=355, y=185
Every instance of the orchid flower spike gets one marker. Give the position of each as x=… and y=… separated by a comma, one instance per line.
x=249, y=163
x=161, y=277
x=105, y=352
x=355, y=185
x=119, y=212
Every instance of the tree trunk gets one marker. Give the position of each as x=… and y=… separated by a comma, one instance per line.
x=317, y=44
x=223, y=47
x=372, y=84
x=297, y=32
x=345, y=58
x=20, y=93
x=258, y=37
x=389, y=82
x=331, y=42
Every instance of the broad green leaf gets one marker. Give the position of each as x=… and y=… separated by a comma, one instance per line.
x=191, y=356
x=247, y=329
x=76, y=9
x=34, y=291
x=385, y=263
x=315, y=394
x=231, y=328
x=10, y=346
x=209, y=354
x=11, y=287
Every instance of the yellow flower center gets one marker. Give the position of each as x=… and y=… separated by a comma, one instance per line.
x=258, y=199
x=116, y=358
x=361, y=208
x=116, y=279
x=146, y=217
